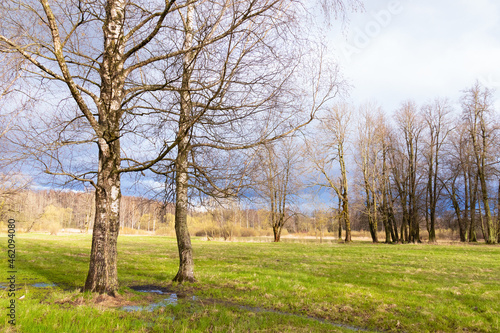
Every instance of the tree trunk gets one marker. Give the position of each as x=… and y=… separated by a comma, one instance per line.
x=472, y=198
x=385, y=209
x=102, y=276
x=372, y=223
x=432, y=215
x=498, y=213
x=186, y=263
x=391, y=219
x=277, y=233
x=393, y=225
x=465, y=215
x=345, y=213
x=481, y=161
x=387, y=229
x=404, y=238
x=490, y=228
x=458, y=213
x=340, y=218
x=345, y=201
x=481, y=219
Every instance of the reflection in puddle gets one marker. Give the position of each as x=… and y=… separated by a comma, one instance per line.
x=152, y=291
x=43, y=285
x=36, y=285
x=172, y=300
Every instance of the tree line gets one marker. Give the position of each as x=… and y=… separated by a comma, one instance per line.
x=428, y=165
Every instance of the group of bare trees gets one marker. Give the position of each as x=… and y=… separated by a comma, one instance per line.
x=415, y=169
x=121, y=87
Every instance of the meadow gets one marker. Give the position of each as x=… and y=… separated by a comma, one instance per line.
x=259, y=287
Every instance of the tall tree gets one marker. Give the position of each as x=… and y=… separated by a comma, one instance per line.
x=437, y=125
x=334, y=129
x=241, y=92
x=478, y=112
x=277, y=181
x=410, y=126
x=369, y=150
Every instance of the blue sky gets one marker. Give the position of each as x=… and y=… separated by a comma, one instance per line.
x=409, y=49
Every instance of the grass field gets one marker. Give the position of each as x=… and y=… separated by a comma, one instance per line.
x=261, y=287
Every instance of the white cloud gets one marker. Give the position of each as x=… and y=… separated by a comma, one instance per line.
x=425, y=50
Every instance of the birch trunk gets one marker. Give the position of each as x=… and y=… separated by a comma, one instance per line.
x=102, y=276
x=186, y=263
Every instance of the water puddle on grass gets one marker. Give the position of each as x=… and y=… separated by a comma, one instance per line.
x=174, y=297
x=43, y=285
x=324, y=321
x=36, y=285
x=171, y=300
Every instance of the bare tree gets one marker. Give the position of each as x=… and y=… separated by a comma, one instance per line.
x=455, y=179
x=477, y=111
x=436, y=117
x=410, y=126
x=258, y=97
x=334, y=129
x=370, y=147
x=278, y=180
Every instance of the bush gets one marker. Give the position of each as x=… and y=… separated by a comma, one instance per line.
x=165, y=231
x=53, y=227
x=212, y=232
x=200, y=233
x=247, y=232
x=448, y=234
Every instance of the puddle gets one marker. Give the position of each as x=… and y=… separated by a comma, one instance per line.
x=324, y=321
x=43, y=285
x=173, y=300
x=36, y=285
x=152, y=291
x=4, y=286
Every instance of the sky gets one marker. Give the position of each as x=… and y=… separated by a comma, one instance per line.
x=397, y=50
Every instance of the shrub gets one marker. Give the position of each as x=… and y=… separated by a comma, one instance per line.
x=53, y=227
x=247, y=232
x=165, y=231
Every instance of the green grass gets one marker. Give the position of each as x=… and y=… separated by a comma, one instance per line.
x=379, y=287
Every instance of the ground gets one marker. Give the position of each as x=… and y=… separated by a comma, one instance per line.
x=259, y=287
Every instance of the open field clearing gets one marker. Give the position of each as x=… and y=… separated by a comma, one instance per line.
x=259, y=287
